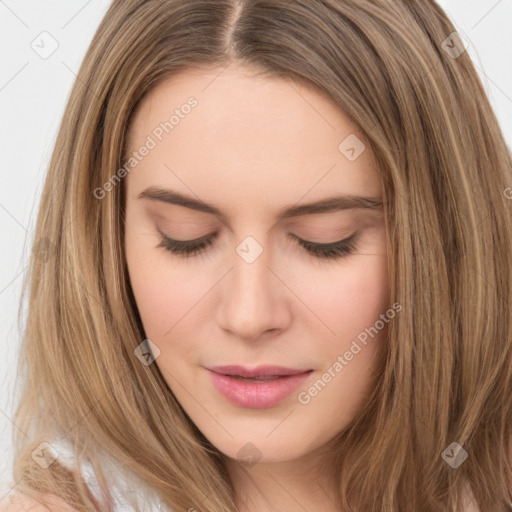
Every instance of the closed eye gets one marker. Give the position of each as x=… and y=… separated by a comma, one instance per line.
x=329, y=251
x=189, y=248
x=186, y=247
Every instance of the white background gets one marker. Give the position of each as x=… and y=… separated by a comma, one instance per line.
x=33, y=93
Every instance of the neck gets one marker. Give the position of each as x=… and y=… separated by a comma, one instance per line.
x=303, y=483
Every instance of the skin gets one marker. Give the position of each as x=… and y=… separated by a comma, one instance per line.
x=252, y=146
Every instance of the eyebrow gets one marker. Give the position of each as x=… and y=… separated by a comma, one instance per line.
x=330, y=204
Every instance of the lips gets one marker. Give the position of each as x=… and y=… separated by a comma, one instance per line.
x=258, y=372
x=256, y=388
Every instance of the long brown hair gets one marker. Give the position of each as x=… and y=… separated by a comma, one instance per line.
x=397, y=69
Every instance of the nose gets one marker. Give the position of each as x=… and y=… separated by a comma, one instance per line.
x=254, y=300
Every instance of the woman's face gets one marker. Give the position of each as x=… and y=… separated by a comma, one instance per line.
x=254, y=159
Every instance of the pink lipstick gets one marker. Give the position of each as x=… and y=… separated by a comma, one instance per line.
x=256, y=388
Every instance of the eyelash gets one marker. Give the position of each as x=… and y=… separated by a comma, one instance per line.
x=189, y=248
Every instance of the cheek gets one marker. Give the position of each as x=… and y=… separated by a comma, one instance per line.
x=164, y=304
x=351, y=304
x=163, y=294
x=351, y=298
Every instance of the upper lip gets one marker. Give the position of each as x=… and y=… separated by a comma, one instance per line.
x=258, y=371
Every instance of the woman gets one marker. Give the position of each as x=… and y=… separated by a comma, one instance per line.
x=272, y=268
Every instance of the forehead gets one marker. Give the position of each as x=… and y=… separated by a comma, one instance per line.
x=249, y=136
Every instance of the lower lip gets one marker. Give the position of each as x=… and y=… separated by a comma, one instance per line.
x=257, y=394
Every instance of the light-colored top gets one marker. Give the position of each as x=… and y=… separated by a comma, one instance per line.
x=17, y=502
x=120, y=487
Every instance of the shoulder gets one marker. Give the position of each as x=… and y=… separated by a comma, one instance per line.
x=17, y=502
